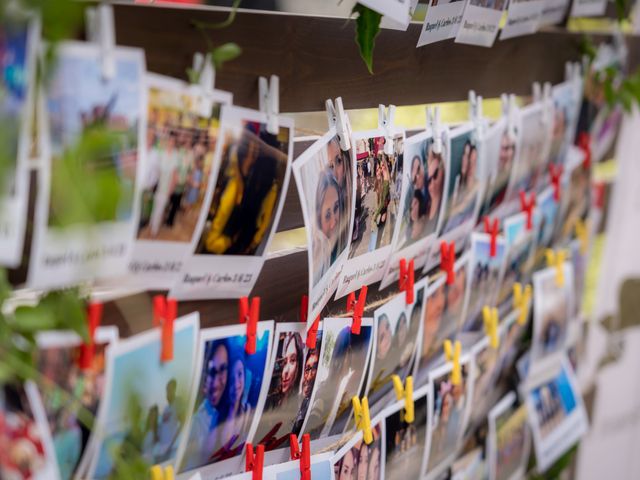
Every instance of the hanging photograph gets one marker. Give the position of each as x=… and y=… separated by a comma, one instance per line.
x=19, y=37
x=320, y=469
x=357, y=460
x=226, y=391
x=92, y=133
x=143, y=412
x=485, y=376
x=567, y=97
x=180, y=143
x=377, y=203
x=575, y=199
x=420, y=207
x=242, y=207
x=326, y=180
x=344, y=358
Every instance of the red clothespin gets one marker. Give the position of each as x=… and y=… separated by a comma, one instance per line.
x=312, y=333
x=159, y=307
x=171, y=312
x=492, y=229
x=406, y=279
x=87, y=350
x=250, y=317
x=555, y=172
x=447, y=260
x=584, y=143
x=357, y=308
x=304, y=308
x=527, y=207
x=304, y=454
x=599, y=194
x=254, y=461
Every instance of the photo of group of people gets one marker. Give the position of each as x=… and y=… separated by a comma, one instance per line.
x=396, y=337
x=227, y=392
x=405, y=442
x=448, y=407
x=250, y=185
x=553, y=401
x=66, y=388
x=145, y=401
x=293, y=374
x=341, y=371
x=360, y=461
x=509, y=439
x=180, y=147
x=378, y=191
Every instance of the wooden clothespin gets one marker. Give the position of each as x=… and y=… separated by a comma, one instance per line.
x=362, y=418
x=405, y=393
x=303, y=454
x=406, y=279
x=339, y=120
x=555, y=174
x=521, y=299
x=452, y=355
x=270, y=102
x=492, y=228
x=527, y=207
x=250, y=316
x=87, y=350
x=254, y=460
x=101, y=32
x=584, y=143
x=357, y=307
x=448, y=260
x=582, y=233
x=556, y=259
x=165, y=311
x=386, y=123
x=433, y=121
x=158, y=473
x=490, y=317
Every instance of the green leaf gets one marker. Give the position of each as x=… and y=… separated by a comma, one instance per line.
x=225, y=53
x=193, y=75
x=32, y=319
x=367, y=29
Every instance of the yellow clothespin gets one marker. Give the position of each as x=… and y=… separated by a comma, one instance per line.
x=362, y=418
x=582, y=232
x=452, y=354
x=405, y=393
x=490, y=317
x=521, y=299
x=556, y=259
x=158, y=474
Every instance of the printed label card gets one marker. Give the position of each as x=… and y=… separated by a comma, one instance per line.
x=78, y=235
x=448, y=411
x=326, y=181
x=179, y=149
x=379, y=178
x=509, y=439
x=556, y=414
x=588, y=8
x=392, y=23
x=242, y=207
x=358, y=460
x=66, y=389
x=397, y=11
x=553, y=12
x=523, y=18
x=480, y=22
x=421, y=205
x=344, y=359
x=18, y=52
x=405, y=443
x=441, y=22
x=228, y=387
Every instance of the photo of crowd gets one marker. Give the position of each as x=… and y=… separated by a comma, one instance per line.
x=378, y=191
x=180, y=147
x=292, y=379
x=552, y=309
x=228, y=392
x=553, y=402
x=362, y=461
x=61, y=373
x=326, y=183
x=421, y=209
x=512, y=443
x=340, y=375
x=405, y=442
x=249, y=187
x=99, y=118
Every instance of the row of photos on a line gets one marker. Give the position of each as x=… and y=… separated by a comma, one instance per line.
x=197, y=411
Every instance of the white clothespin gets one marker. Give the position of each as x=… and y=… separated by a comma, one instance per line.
x=536, y=92
x=204, y=65
x=386, y=122
x=475, y=114
x=433, y=121
x=510, y=102
x=101, y=31
x=270, y=102
x=547, y=104
x=339, y=120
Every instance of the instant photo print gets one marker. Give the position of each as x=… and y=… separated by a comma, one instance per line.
x=358, y=460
